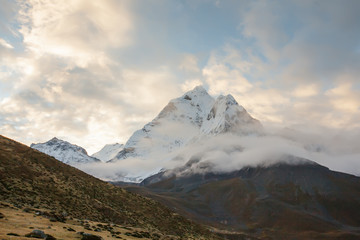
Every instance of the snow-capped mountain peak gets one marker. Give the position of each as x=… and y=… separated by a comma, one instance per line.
x=64, y=151
x=187, y=118
x=191, y=107
x=174, y=126
x=108, y=152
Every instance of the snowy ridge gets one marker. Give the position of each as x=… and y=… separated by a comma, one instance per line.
x=64, y=152
x=108, y=152
x=227, y=115
x=187, y=119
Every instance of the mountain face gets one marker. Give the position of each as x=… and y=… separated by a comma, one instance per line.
x=282, y=201
x=226, y=115
x=30, y=179
x=108, y=152
x=187, y=119
x=64, y=152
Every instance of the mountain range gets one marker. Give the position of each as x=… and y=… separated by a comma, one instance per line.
x=184, y=121
x=64, y=151
x=213, y=164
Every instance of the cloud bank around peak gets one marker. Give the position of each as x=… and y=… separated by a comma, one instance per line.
x=227, y=153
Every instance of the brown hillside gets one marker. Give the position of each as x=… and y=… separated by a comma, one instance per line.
x=31, y=178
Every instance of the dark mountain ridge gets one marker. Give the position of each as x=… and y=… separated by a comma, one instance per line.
x=298, y=201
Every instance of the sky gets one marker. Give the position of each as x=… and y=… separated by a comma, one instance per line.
x=93, y=72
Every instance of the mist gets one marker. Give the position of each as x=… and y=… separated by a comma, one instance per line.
x=336, y=150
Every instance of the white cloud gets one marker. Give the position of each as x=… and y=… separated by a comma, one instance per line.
x=222, y=78
x=190, y=84
x=5, y=44
x=303, y=91
x=79, y=30
x=227, y=153
x=189, y=63
x=68, y=84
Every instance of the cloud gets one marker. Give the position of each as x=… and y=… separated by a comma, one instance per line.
x=190, y=84
x=146, y=89
x=306, y=41
x=67, y=83
x=305, y=91
x=79, y=30
x=189, y=63
x=345, y=98
x=5, y=44
x=220, y=77
x=295, y=63
x=82, y=105
x=227, y=153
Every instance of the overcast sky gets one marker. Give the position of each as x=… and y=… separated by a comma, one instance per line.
x=93, y=72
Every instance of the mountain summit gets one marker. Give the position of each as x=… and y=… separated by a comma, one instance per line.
x=64, y=151
x=186, y=119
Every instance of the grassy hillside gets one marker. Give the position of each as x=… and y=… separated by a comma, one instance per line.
x=29, y=178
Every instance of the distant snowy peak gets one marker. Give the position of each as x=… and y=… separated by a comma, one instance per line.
x=108, y=152
x=186, y=119
x=227, y=115
x=64, y=151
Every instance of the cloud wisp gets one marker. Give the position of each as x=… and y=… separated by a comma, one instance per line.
x=228, y=152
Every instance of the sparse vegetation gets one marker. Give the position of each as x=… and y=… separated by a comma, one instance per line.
x=30, y=179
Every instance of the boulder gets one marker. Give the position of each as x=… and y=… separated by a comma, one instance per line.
x=36, y=234
x=40, y=234
x=88, y=236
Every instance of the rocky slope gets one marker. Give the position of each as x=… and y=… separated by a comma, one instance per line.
x=29, y=178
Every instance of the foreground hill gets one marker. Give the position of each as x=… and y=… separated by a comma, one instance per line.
x=29, y=178
x=282, y=201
